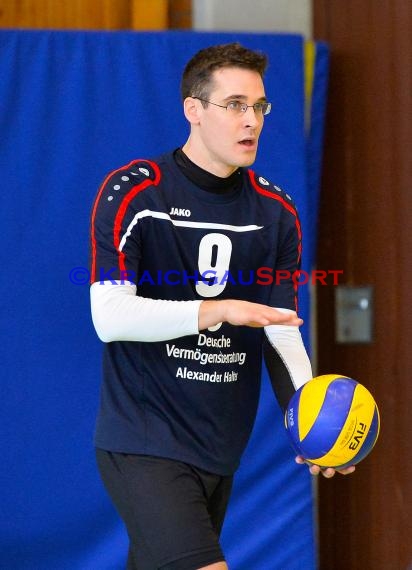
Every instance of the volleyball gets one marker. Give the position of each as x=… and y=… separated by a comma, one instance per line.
x=332, y=421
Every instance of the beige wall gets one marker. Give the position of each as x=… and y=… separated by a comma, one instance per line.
x=292, y=16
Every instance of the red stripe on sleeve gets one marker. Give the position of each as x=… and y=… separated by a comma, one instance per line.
x=290, y=209
x=121, y=211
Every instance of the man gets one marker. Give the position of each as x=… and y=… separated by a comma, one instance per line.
x=183, y=248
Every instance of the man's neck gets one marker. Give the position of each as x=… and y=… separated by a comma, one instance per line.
x=204, y=179
x=218, y=169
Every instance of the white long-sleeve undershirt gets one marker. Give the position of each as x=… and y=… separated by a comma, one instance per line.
x=120, y=315
x=287, y=342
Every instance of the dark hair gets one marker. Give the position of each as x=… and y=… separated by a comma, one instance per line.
x=197, y=75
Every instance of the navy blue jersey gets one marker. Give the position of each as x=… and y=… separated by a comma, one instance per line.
x=193, y=398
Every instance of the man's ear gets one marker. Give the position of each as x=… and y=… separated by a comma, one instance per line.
x=191, y=110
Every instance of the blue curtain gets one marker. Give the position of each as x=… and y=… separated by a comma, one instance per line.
x=73, y=106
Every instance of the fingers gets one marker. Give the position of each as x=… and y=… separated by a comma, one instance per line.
x=327, y=472
x=257, y=315
x=299, y=459
x=347, y=470
x=237, y=312
x=280, y=318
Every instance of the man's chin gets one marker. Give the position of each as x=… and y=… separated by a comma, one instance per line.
x=247, y=160
x=247, y=157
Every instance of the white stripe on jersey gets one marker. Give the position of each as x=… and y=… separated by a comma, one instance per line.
x=185, y=223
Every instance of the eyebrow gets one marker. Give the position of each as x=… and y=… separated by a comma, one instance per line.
x=243, y=97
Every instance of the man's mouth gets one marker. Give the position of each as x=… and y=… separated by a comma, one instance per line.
x=248, y=142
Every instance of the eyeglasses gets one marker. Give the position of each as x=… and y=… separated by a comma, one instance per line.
x=238, y=108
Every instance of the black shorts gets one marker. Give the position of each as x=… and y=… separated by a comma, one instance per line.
x=173, y=511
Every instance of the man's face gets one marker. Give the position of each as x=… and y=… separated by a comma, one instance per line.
x=229, y=139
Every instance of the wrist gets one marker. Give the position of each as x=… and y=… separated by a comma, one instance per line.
x=211, y=313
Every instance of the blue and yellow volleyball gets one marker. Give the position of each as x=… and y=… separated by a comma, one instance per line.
x=333, y=421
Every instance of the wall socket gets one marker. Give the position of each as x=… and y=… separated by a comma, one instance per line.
x=353, y=314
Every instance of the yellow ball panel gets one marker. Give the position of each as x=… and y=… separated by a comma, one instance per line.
x=311, y=401
x=354, y=431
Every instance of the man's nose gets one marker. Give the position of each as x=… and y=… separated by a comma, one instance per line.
x=251, y=117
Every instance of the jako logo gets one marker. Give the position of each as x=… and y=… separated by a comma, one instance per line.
x=180, y=212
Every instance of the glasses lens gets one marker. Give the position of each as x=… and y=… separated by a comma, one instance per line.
x=266, y=107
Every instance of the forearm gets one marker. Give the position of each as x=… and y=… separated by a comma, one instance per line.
x=287, y=361
x=211, y=313
x=118, y=314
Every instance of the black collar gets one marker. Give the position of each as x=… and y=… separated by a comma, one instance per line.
x=204, y=179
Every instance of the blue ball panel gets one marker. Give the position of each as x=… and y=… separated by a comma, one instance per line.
x=292, y=421
x=331, y=418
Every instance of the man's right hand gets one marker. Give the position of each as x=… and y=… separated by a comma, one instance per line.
x=244, y=313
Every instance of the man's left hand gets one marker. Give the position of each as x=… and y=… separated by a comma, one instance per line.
x=328, y=472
